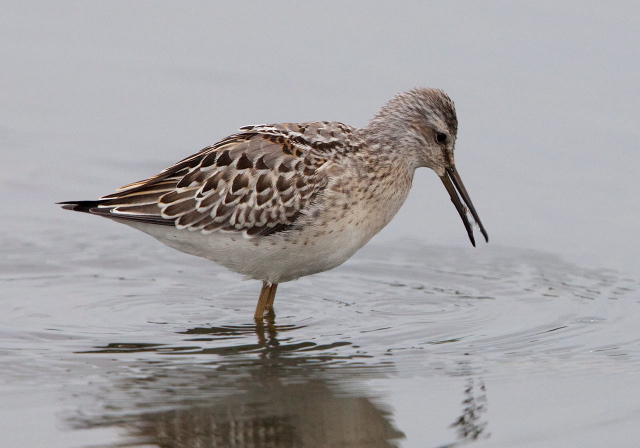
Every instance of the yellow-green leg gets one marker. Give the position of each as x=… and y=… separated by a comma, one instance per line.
x=265, y=301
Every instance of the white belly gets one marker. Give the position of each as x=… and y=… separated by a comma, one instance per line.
x=276, y=258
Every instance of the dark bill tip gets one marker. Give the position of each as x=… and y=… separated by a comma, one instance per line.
x=453, y=183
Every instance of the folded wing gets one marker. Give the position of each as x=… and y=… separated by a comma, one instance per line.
x=257, y=182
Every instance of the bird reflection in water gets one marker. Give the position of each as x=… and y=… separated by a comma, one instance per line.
x=293, y=394
x=469, y=425
x=258, y=387
x=309, y=414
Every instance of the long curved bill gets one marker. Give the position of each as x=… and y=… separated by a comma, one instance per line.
x=455, y=188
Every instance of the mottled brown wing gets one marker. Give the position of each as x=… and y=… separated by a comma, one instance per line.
x=251, y=182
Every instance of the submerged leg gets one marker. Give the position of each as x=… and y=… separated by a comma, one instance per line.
x=265, y=301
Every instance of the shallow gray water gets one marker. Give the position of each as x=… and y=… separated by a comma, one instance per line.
x=408, y=344
x=108, y=338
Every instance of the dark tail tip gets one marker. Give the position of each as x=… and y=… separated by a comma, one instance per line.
x=79, y=206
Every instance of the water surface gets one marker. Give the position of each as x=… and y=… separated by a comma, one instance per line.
x=406, y=344
x=108, y=338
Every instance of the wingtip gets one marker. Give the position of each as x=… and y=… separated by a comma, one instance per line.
x=66, y=206
x=78, y=206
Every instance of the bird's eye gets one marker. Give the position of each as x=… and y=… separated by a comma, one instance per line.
x=440, y=137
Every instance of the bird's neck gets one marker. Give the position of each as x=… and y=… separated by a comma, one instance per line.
x=391, y=146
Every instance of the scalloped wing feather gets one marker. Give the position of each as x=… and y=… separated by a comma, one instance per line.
x=257, y=182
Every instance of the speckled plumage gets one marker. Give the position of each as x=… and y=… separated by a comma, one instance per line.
x=277, y=202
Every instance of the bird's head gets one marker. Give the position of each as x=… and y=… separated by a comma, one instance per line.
x=422, y=127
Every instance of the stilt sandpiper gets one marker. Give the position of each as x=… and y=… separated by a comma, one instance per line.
x=280, y=201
